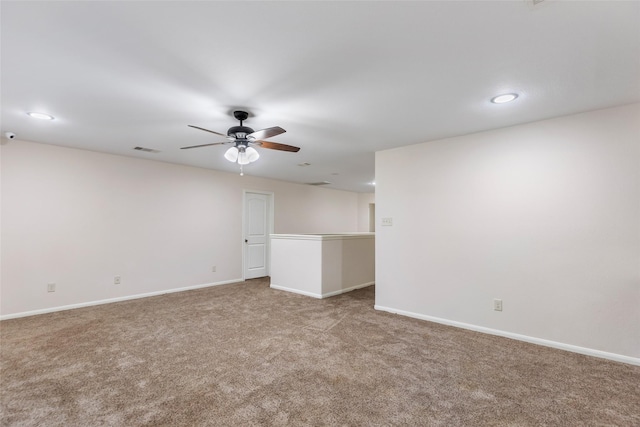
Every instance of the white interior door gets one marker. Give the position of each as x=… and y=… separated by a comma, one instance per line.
x=257, y=227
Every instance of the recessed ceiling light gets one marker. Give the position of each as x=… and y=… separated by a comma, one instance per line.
x=501, y=99
x=41, y=116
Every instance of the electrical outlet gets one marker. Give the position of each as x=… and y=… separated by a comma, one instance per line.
x=51, y=287
x=497, y=304
x=387, y=222
x=213, y=269
x=116, y=280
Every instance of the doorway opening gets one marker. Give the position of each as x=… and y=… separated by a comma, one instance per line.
x=372, y=217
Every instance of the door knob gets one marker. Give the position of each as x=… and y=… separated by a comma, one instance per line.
x=246, y=241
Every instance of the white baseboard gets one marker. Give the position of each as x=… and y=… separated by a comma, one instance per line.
x=110, y=300
x=554, y=344
x=342, y=291
x=320, y=296
x=295, y=291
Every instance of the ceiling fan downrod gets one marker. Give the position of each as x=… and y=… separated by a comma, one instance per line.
x=241, y=116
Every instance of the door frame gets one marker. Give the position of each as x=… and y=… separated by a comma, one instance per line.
x=270, y=227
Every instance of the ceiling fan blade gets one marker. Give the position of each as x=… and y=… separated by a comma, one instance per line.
x=207, y=130
x=276, y=146
x=266, y=133
x=203, y=145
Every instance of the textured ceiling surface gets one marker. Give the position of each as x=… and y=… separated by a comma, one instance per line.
x=345, y=79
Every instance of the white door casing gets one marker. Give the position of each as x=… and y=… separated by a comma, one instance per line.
x=257, y=226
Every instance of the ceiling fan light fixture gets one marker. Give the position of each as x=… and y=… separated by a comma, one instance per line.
x=243, y=158
x=231, y=154
x=252, y=154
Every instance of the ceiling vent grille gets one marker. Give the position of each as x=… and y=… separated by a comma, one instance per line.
x=146, y=150
x=536, y=4
x=318, y=183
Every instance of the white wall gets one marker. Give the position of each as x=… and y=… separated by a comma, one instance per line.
x=545, y=216
x=79, y=218
x=326, y=265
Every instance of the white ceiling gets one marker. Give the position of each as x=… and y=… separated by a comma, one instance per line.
x=345, y=79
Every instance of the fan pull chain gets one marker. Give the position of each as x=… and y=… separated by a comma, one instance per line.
x=241, y=171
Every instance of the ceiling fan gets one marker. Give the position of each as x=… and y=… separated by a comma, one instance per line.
x=243, y=139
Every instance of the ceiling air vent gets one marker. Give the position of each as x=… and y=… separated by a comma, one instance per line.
x=318, y=183
x=535, y=4
x=146, y=150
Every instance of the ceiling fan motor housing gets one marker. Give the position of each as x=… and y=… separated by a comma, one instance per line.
x=239, y=132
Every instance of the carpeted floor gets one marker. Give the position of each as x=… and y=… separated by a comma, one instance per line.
x=244, y=354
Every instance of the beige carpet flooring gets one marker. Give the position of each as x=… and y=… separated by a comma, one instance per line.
x=244, y=354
